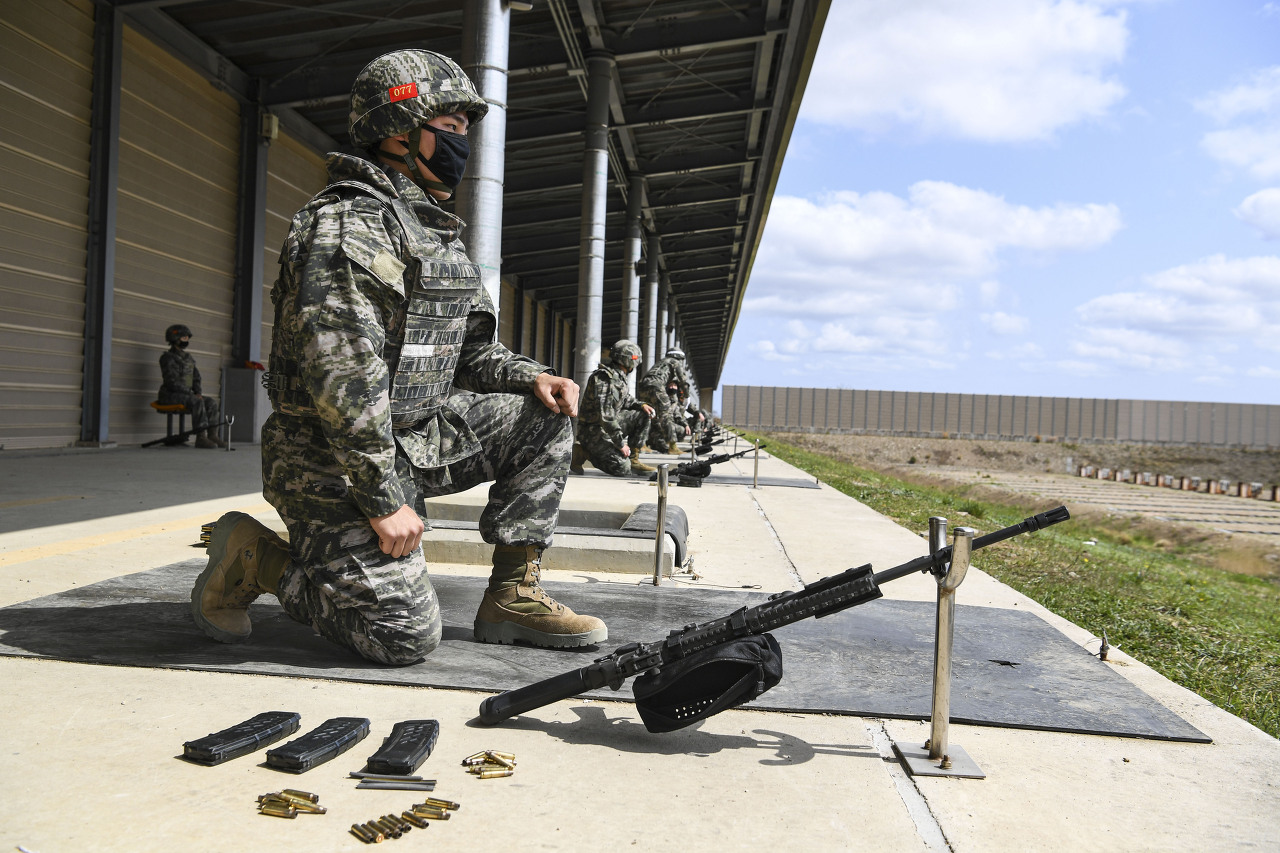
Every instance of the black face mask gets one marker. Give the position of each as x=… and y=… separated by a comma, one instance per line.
x=183, y=344
x=450, y=158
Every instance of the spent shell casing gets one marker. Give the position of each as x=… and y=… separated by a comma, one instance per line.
x=404, y=825
x=415, y=820
x=388, y=827
x=477, y=757
x=431, y=814
x=306, y=795
x=495, y=774
x=282, y=797
x=510, y=756
x=497, y=759
x=444, y=804
x=376, y=831
x=363, y=832
x=278, y=810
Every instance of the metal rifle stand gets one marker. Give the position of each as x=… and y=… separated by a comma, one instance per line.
x=661, y=533
x=938, y=756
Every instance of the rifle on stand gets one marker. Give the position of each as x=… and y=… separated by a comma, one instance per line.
x=693, y=473
x=702, y=669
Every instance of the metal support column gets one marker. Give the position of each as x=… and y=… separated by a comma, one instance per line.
x=650, y=343
x=256, y=133
x=100, y=266
x=662, y=342
x=595, y=184
x=486, y=33
x=630, y=277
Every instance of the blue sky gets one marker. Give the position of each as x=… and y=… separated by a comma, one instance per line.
x=1059, y=197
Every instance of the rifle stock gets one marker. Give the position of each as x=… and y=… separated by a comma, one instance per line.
x=821, y=598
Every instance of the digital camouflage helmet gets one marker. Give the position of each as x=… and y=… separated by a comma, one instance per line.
x=624, y=356
x=676, y=353
x=399, y=92
x=175, y=332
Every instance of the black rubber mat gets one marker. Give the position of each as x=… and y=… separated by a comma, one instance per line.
x=1011, y=669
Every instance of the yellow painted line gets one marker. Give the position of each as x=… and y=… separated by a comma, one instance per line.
x=84, y=543
x=34, y=501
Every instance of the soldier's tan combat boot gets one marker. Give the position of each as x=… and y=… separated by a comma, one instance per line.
x=212, y=435
x=516, y=607
x=639, y=467
x=673, y=449
x=246, y=559
x=203, y=440
x=579, y=457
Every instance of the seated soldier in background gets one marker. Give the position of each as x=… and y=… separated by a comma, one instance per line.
x=652, y=389
x=181, y=384
x=612, y=425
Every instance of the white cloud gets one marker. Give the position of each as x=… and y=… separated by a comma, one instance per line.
x=1262, y=211
x=1001, y=323
x=877, y=274
x=1253, y=107
x=991, y=70
x=1188, y=317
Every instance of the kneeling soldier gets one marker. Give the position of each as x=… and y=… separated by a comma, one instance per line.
x=388, y=386
x=613, y=425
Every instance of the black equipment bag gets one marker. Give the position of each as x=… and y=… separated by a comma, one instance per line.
x=708, y=682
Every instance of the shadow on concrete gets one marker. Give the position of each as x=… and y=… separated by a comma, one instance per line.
x=43, y=489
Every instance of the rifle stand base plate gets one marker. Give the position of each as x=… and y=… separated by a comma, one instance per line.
x=918, y=763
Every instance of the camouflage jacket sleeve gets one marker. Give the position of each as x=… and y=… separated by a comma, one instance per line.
x=196, y=387
x=599, y=406
x=486, y=366
x=340, y=326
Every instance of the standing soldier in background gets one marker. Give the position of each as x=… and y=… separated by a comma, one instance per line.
x=180, y=383
x=653, y=390
x=613, y=425
x=388, y=387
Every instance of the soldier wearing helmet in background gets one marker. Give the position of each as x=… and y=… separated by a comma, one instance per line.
x=180, y=383
x=388, y=386
x=613, y=425
x=668, y=370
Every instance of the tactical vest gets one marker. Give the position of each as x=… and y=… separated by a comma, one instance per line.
x=441, y=295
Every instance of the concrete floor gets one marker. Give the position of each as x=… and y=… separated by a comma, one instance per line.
x=88, y=758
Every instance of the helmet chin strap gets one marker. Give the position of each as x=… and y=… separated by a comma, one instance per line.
x=411, y=159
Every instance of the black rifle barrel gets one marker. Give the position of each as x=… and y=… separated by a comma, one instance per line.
x=821, y=598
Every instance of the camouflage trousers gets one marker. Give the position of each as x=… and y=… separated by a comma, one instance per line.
x=601, y=450
x=381, y=607
x=663, y=429
x=204, y=410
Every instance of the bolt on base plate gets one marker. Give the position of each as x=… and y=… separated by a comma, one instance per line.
x=918, y=763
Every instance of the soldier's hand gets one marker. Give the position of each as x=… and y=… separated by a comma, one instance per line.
x=648, y=410
x=626, y=451
x=399, y=533
x=557, y=393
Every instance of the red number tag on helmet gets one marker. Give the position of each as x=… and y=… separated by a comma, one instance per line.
x=400, y=93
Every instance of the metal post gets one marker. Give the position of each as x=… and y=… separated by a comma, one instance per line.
x=256, y=132
x=661, y=532
x=595, y=183
x=650, y=345
x=100, y=262
x=486, y=37
x=938, y=756
x=755, y=476
x=630, y=277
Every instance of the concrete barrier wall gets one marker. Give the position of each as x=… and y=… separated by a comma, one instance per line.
x=1000, y=416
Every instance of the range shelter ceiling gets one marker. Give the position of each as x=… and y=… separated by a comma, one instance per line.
x=703, y=99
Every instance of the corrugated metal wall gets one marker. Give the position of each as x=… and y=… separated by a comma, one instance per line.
x=175, y=237
x=294, y=174
x=46, y=78
x=1000, y=416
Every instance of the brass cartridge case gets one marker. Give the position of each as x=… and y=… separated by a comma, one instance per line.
x=439, y=803
x=365, y=834
x=415, y=820
x=510, y=756
x=388, y=827
x=430, y=813
x=495, y=774
x=305, y=795
x=494, y=758
x=278, y=810
x=474, y=759
x=379, y=834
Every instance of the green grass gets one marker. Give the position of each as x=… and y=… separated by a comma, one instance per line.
x=1212, y=631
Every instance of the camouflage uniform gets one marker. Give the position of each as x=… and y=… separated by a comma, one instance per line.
x=652, y=389
x=376, y=292
x=180, y=383
x=608, y=418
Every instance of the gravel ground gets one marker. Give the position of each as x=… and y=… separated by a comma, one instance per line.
x=1027, y=457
